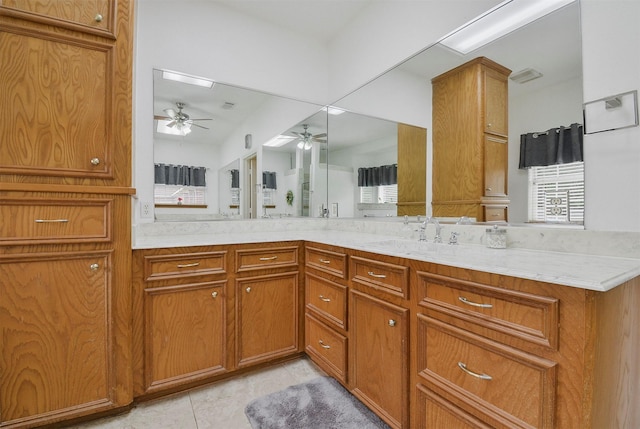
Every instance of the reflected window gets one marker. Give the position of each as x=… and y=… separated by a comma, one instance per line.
x=556, y=193
x=379, y=194
x=179, y=195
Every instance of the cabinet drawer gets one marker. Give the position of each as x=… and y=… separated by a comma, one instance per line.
x=163, y=267
x=327, y=299
x=35, y=220
x=324, y=260
x=260, y=259
x=495, y=214
x=327, y=346
x=532, y=318
x=436, y=412
x=393, y=279
x=486, y=374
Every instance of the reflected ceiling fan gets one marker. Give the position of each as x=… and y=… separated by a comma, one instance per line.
x=306, y=138
x=180, y=120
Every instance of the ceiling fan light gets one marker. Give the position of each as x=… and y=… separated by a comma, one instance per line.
x=300, y=144
x=307, y=145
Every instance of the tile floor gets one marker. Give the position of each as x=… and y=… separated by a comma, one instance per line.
x=217, y=406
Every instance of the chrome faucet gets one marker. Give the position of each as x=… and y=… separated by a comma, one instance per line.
x=423, y=230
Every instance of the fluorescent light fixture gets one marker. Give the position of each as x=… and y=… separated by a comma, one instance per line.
x=278, y=141
x=502, y=19
x=333, y=110
x=191, y=80
x=176, y=130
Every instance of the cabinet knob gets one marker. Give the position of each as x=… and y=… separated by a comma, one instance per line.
x=248, y=289
x=214, y=294
x=488, y=125
x=98, y=18
x=95, y=161
x=94, y=267
x=392, y=323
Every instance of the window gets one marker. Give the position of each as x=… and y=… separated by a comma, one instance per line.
x=179, y=194
x=379, y=194
x=556, y=193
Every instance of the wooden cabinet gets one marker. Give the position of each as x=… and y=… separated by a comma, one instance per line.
x=65, y=177
x=412, y=170
x=65, y=306
x=379, y=356
x=470, y=132
x=66, y=92
x=326, y=336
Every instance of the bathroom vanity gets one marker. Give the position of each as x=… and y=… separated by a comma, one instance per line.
x=424, y=334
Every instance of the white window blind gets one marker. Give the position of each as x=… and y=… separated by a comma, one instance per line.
x=178, y=194
x=379, y=194
x=556, y=193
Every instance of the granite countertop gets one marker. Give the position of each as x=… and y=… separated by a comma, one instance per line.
x=586, y=271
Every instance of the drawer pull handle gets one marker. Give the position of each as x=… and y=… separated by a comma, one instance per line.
x=392, y=323
x=323, y=298
x=378, y=276
x=52, y=220
x=94, y=267
x=214, y=294
x=475, y=304
x=271, y=258
x=463, y=367
x=195, y=264
x=325, y=261
x=323, y=345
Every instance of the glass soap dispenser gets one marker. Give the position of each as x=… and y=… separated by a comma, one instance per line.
x=496, y=238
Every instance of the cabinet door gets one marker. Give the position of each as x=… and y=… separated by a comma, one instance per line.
x=495, y=166
x=57, y=353
x=91, y=16
x=185, y=333
x=266, y=317
x=495, y=102
x=378, y=349
x=60, y=97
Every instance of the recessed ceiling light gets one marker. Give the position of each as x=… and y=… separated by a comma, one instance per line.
x=191, y=80
x=495, y=23
x=278, y=141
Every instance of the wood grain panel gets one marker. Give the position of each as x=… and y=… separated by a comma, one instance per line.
x=184, y=319
x=38, y=220
x=379, y=354
x=266, y=317
x=59, y=93
x=55, y=350
x=78, y=16
x=495, y=94
x=412, y=170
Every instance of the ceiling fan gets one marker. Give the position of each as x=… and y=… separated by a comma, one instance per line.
x=306, y=138
x=180, y=120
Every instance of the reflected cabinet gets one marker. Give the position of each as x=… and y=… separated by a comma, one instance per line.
x=470, y=136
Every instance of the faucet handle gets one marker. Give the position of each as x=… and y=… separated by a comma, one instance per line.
x=453, y=238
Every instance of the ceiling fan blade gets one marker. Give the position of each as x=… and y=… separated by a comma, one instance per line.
x=199, y=126
x=203, y=119
x=319, y=140
x=171, y=124
x=172, y=113
x=320, y=135
x=162, y=118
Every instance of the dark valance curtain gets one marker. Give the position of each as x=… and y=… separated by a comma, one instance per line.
x=556, y=146
x=235, y=179
x=269, y=180
x=378, y=176
x=169, y=174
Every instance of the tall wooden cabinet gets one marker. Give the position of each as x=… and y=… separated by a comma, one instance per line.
x=412, y=170
x=470, y=140
x=65, y=175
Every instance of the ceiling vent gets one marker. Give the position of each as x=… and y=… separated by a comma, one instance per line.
x=228, y=105
x=525, y=75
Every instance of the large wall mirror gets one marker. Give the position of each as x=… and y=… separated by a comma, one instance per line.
x=550, y=45
x=209, y=158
